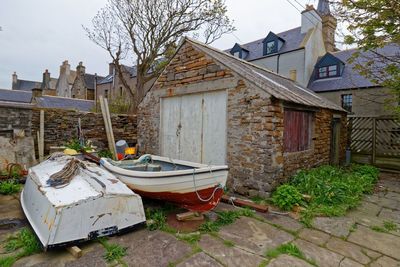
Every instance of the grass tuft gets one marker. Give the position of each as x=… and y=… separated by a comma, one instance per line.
x=289, y=249
x=390, y=226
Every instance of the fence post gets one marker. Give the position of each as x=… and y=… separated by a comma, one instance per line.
x=373, y=141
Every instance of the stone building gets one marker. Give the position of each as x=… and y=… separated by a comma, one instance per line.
x=211, y=107
x=337, y=80
x=75, y=84
x=293, y=53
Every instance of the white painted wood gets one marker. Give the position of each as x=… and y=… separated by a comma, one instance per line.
x=214, y=128
x=170, y=120
x=84, y=206
x=191, y=121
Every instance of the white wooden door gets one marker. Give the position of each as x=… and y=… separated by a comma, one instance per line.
x=193, y=127
x=214, y=128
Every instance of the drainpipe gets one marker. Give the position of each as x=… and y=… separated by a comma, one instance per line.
x=277, y=63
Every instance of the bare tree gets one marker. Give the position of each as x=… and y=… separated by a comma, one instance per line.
x=146, y=31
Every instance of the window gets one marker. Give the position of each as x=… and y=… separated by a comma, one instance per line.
x=347, y=102
x=106, y=93
x=236, y=54
x=271, y=47
x=297, y=128
x=328, y=71
x=120, y=90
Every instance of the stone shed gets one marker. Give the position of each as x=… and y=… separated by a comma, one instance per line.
x=208, y=106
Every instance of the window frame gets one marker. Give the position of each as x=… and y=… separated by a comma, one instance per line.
x=327, y=71
x=274, y=50
x=345, y=102
x=298, y=130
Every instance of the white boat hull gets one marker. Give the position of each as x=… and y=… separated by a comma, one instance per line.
x=85, y=209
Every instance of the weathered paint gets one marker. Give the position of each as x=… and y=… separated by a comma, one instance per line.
x=71, y=213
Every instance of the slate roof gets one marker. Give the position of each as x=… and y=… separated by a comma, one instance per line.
x=25, y=85
x=350, y=78
x=89, y=80
x=276, y=85
x=293, y=39
x=22, y=98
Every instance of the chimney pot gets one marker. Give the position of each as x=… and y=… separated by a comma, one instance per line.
x=36, y=85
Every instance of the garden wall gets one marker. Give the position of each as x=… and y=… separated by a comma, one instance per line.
x=62, y=125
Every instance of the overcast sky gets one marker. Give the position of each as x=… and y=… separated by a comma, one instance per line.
x=41, y=34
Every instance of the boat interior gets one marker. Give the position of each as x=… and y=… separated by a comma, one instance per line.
x=153, y=166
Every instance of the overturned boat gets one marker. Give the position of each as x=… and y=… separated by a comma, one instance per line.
x=68, y=201
x=193, y=186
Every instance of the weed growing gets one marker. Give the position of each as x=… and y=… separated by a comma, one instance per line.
x=114, y=251
x=9, y=187
x=191, y=239
x=289, y=249
x=333, y=190
x=379, y=229
x=158, y=219
x=229, y=243
x=390, y=226
x=25, y=242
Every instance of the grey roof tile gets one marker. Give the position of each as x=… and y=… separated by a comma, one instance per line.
x=278, y=86
x=293, y=39
x=350, y=78
x=15, y=96
x=25, y=85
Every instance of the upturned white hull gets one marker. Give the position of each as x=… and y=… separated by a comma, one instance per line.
x=93, y=204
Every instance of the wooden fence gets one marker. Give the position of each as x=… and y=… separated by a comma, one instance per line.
x=375, y=140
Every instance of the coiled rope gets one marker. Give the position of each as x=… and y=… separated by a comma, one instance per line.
x=213, y=193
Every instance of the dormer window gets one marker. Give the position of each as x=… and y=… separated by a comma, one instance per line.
x=328, y=71
x=329, y=66
x=271, y=47
x=239, y=51
x=272, y=44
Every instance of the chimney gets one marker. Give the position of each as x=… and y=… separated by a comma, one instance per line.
x=111, y=67
x=310, y=19
x=14, y=80
x=36, y=92
x=80, y=69
x=46, y=80
x=329, y=24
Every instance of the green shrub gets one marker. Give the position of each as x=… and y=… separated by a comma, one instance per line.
x=159, y=220
x=105, y=154
x=287, y=196
x=9, y=187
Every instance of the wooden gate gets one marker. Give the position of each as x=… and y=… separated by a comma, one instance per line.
x=375, y=140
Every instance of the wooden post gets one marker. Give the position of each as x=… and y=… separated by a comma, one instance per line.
x=114, y=151
x=373, y=141
x=41, y=136
x=110, y=136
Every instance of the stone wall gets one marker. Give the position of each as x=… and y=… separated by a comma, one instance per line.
x=61, y=125
x=17, y=119
x=254, y=123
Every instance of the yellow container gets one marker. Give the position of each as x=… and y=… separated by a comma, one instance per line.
x=130, y=150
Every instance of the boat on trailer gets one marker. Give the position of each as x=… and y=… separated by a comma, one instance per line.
x=92, y=203
x=193, y=186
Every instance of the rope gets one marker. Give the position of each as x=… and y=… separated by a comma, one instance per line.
x=213, y=193
x=66, y=174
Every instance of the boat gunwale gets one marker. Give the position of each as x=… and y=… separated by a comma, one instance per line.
x=197, y=167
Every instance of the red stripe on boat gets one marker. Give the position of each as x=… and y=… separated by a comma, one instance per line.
x=188, y=200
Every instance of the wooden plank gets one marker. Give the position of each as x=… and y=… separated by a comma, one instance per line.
x=114, y=148
x=373, y=141
x=41, y=139
x=189, y=216
x=75, y=251
x=106, y=126
x=244, y=203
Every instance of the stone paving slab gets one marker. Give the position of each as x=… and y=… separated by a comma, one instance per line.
x=368, y=208
x=338, y=226
x=393, y=195
x=321, y=256
x=348, y=249
x=284, y=221
x=364, y=219
x=287, y=260
x=151, y=248
x=385, y=243
x=10, y=208
x=349, y=263
x=390, y=185
x=385, y=262
x=230, y=256
x=390, y=215
x=314, y=236
x=383, y=202
x=199, y=260
x=93, y=253
x=254, y=236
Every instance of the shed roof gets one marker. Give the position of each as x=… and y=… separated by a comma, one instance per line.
x=350, y=78
x=293, y=39
x=276, y=85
